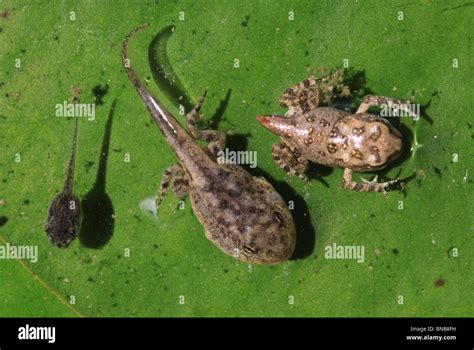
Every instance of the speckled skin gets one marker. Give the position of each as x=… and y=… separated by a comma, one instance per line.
x=64, y=213
x=324, y=135
x=335, y=138
x=242, y=215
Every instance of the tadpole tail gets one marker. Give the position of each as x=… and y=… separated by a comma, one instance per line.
x=188, y=151
x=168, y=125
x=72, y=161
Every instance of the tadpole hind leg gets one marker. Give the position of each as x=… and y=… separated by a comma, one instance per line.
x=216, y=139
x=176, y=176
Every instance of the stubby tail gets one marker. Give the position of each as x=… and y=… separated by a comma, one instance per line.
x=72, y=161
x=277, y=124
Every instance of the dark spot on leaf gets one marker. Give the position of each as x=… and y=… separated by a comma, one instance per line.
x=3, y=220
x=26, y=202
x=437, y=171
x=395, y=251
x=440, y=282
x=89, y=165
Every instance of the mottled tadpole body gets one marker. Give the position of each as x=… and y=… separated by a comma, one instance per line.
x=242, y=215
x=64, y=213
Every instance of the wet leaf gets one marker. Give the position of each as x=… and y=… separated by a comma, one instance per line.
x=246, y=54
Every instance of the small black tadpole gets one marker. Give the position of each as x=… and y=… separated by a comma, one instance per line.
x=64, y=214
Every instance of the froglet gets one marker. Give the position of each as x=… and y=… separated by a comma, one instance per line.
x=332, y=137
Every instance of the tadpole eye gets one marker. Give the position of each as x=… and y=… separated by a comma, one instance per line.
x=279, y=218
x=249, y=250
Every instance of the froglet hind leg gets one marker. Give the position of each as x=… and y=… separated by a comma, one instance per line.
x=374, y=101
x=176, y=176
x=365, y=185
x=301, y=97
x=289, y=160
x=311, y=93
